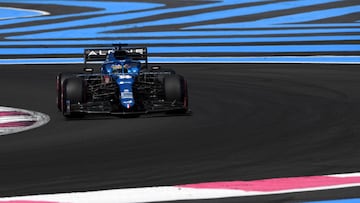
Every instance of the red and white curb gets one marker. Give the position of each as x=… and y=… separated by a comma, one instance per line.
x=13, y=120
x=211, y=190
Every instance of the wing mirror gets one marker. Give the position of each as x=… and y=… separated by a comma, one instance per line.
x=88, y=70
x=155, y=67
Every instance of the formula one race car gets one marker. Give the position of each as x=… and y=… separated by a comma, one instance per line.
x=125, y=84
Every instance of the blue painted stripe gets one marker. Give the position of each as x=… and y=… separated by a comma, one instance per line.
x=355, y=200
x=80, y=34
x=179, y=20
x=226, y=13
x=257, y=49
x=311, y=16
x=184, y=40
x=104, y=8
x=270, y=59
x=200, y=49
x=312, y=25
x=42, y=61
x=111, y=12
x=125, y=7
x=40, y=51
x=263, y=59
x=280, y=22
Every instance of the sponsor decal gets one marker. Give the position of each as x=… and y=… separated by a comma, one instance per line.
x=98, y=52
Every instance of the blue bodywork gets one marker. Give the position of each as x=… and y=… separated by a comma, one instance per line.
x=123, y=72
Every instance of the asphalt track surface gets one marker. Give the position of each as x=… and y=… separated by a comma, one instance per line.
x=249, y=122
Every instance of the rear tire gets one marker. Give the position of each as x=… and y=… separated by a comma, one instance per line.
x=59, y=85
x=74, y=92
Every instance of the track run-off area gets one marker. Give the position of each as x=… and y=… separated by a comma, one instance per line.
x=255, y=28
x=274, y=91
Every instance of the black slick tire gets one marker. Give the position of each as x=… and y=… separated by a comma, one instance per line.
x=175, y=88
x=74, y=92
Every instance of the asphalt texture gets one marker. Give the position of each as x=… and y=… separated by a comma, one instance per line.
x=249, y=122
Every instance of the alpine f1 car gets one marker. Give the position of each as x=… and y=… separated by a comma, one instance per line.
x=124, y=84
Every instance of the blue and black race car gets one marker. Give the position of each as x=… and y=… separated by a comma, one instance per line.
x=124, y=84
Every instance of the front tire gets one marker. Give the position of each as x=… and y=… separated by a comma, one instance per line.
x=175, y=87
x=59, y=85
x=74, y=92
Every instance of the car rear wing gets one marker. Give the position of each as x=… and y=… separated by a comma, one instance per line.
x=94, y=55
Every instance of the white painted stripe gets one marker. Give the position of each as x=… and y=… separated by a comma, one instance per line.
x=165, y=193
x=345, y=175
x=7, y=119
x=157, y=194
x=149, y=194
x=37, y=13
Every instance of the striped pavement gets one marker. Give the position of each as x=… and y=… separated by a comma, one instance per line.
x=42, y=29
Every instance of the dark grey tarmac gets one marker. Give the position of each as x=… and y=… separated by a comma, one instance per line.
x=249, y=122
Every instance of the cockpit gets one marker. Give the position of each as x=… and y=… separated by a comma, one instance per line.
x=131, y=67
